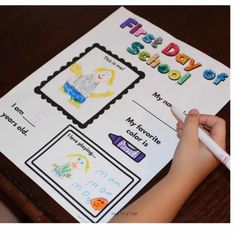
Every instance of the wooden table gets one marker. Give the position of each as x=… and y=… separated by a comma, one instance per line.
x=30, y=36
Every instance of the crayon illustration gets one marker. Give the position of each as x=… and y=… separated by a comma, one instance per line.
x=81, y=86
x=77, y=161
x=98, y=203
x=127, y=147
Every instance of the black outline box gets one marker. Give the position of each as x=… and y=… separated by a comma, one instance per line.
x=140, y=75
x=30, y=163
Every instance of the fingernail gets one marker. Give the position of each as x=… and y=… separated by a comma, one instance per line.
x=194, y=112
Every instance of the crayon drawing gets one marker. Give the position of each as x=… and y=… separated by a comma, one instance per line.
x=82, y=86
x=76, y=162
x=93, y=184
x=87, y=86
x=98, y=203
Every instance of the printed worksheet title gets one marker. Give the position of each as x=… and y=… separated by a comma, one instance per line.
x=171, y=50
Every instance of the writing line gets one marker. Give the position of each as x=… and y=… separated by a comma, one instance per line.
x=28, y=121
x=153, y=114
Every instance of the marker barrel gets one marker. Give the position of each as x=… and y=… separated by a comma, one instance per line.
x=219, y=152
x=214, y=148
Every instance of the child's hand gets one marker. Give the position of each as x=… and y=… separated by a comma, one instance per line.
x=192, y=161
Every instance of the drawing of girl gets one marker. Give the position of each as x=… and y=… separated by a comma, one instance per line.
x=82, y=86
x=77, y=162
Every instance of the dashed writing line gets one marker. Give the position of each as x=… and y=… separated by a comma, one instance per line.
x=28, y=121
x=153, y=115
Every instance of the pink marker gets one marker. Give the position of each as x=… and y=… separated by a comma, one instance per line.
x=221, y=154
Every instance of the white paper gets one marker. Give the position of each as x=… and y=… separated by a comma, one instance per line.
x=94, y=151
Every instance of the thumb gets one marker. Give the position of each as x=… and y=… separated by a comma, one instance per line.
x=191, y=124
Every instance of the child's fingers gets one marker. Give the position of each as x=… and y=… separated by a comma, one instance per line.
x=179, y=128
x=180, y=125
x=210, y=120
x=190, y=128
x=179, y=133
x=216, y=126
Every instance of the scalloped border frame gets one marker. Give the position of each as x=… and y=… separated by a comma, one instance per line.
x=140, y=75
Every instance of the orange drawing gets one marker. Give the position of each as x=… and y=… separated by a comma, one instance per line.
x=98, y=203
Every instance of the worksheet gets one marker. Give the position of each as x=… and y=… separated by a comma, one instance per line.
x=93, y=125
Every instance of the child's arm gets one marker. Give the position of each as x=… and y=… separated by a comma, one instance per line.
x=191, y=164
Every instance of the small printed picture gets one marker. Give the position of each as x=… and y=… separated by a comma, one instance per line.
x=87, y=86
